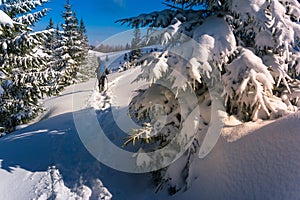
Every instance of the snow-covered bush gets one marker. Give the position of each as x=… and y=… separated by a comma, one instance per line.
x=249, y=88
x=248, y=49
x=147, y=109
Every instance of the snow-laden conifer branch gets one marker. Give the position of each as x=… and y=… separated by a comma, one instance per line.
x=252, y=46
x=31, y=18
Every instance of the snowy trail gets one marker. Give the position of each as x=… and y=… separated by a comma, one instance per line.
x=64, y=103
x=52, y=155
x=121, y=90
x=34, y=159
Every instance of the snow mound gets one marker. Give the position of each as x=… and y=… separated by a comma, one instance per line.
x=234, y=129
x=51, y=186
x=263, y=165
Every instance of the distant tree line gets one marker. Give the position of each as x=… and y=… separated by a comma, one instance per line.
x=111, y=48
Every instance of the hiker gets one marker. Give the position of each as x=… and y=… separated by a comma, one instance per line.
x=102, y=73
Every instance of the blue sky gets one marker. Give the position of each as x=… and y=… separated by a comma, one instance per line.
x=99, y=15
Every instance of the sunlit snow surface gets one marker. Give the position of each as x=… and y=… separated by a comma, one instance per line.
x=48, y=160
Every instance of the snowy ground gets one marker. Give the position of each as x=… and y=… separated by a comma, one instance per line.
x=47, y=160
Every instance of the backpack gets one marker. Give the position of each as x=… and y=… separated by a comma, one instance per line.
x=102, y=70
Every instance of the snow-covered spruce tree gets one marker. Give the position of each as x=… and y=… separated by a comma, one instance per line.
x=87, y=67
x=50, y=48
x=50, y=43
x=69, y=50
x=24, y=76
x=250, y=47
x=62, y=62
x=84, y=39
x=136, y=53
x=51, y=40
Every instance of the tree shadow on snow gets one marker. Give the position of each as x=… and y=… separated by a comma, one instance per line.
x=55, y=142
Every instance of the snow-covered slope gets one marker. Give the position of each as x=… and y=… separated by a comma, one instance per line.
x=263, y=165
x=43, y=160
x=114, y=59
x=47, y=160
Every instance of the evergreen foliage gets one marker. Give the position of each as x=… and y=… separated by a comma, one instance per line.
x=250, y=48
x=72, y=47
x=84, y=38
x=136, y=43
x=24, y=74
x=35, y=64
